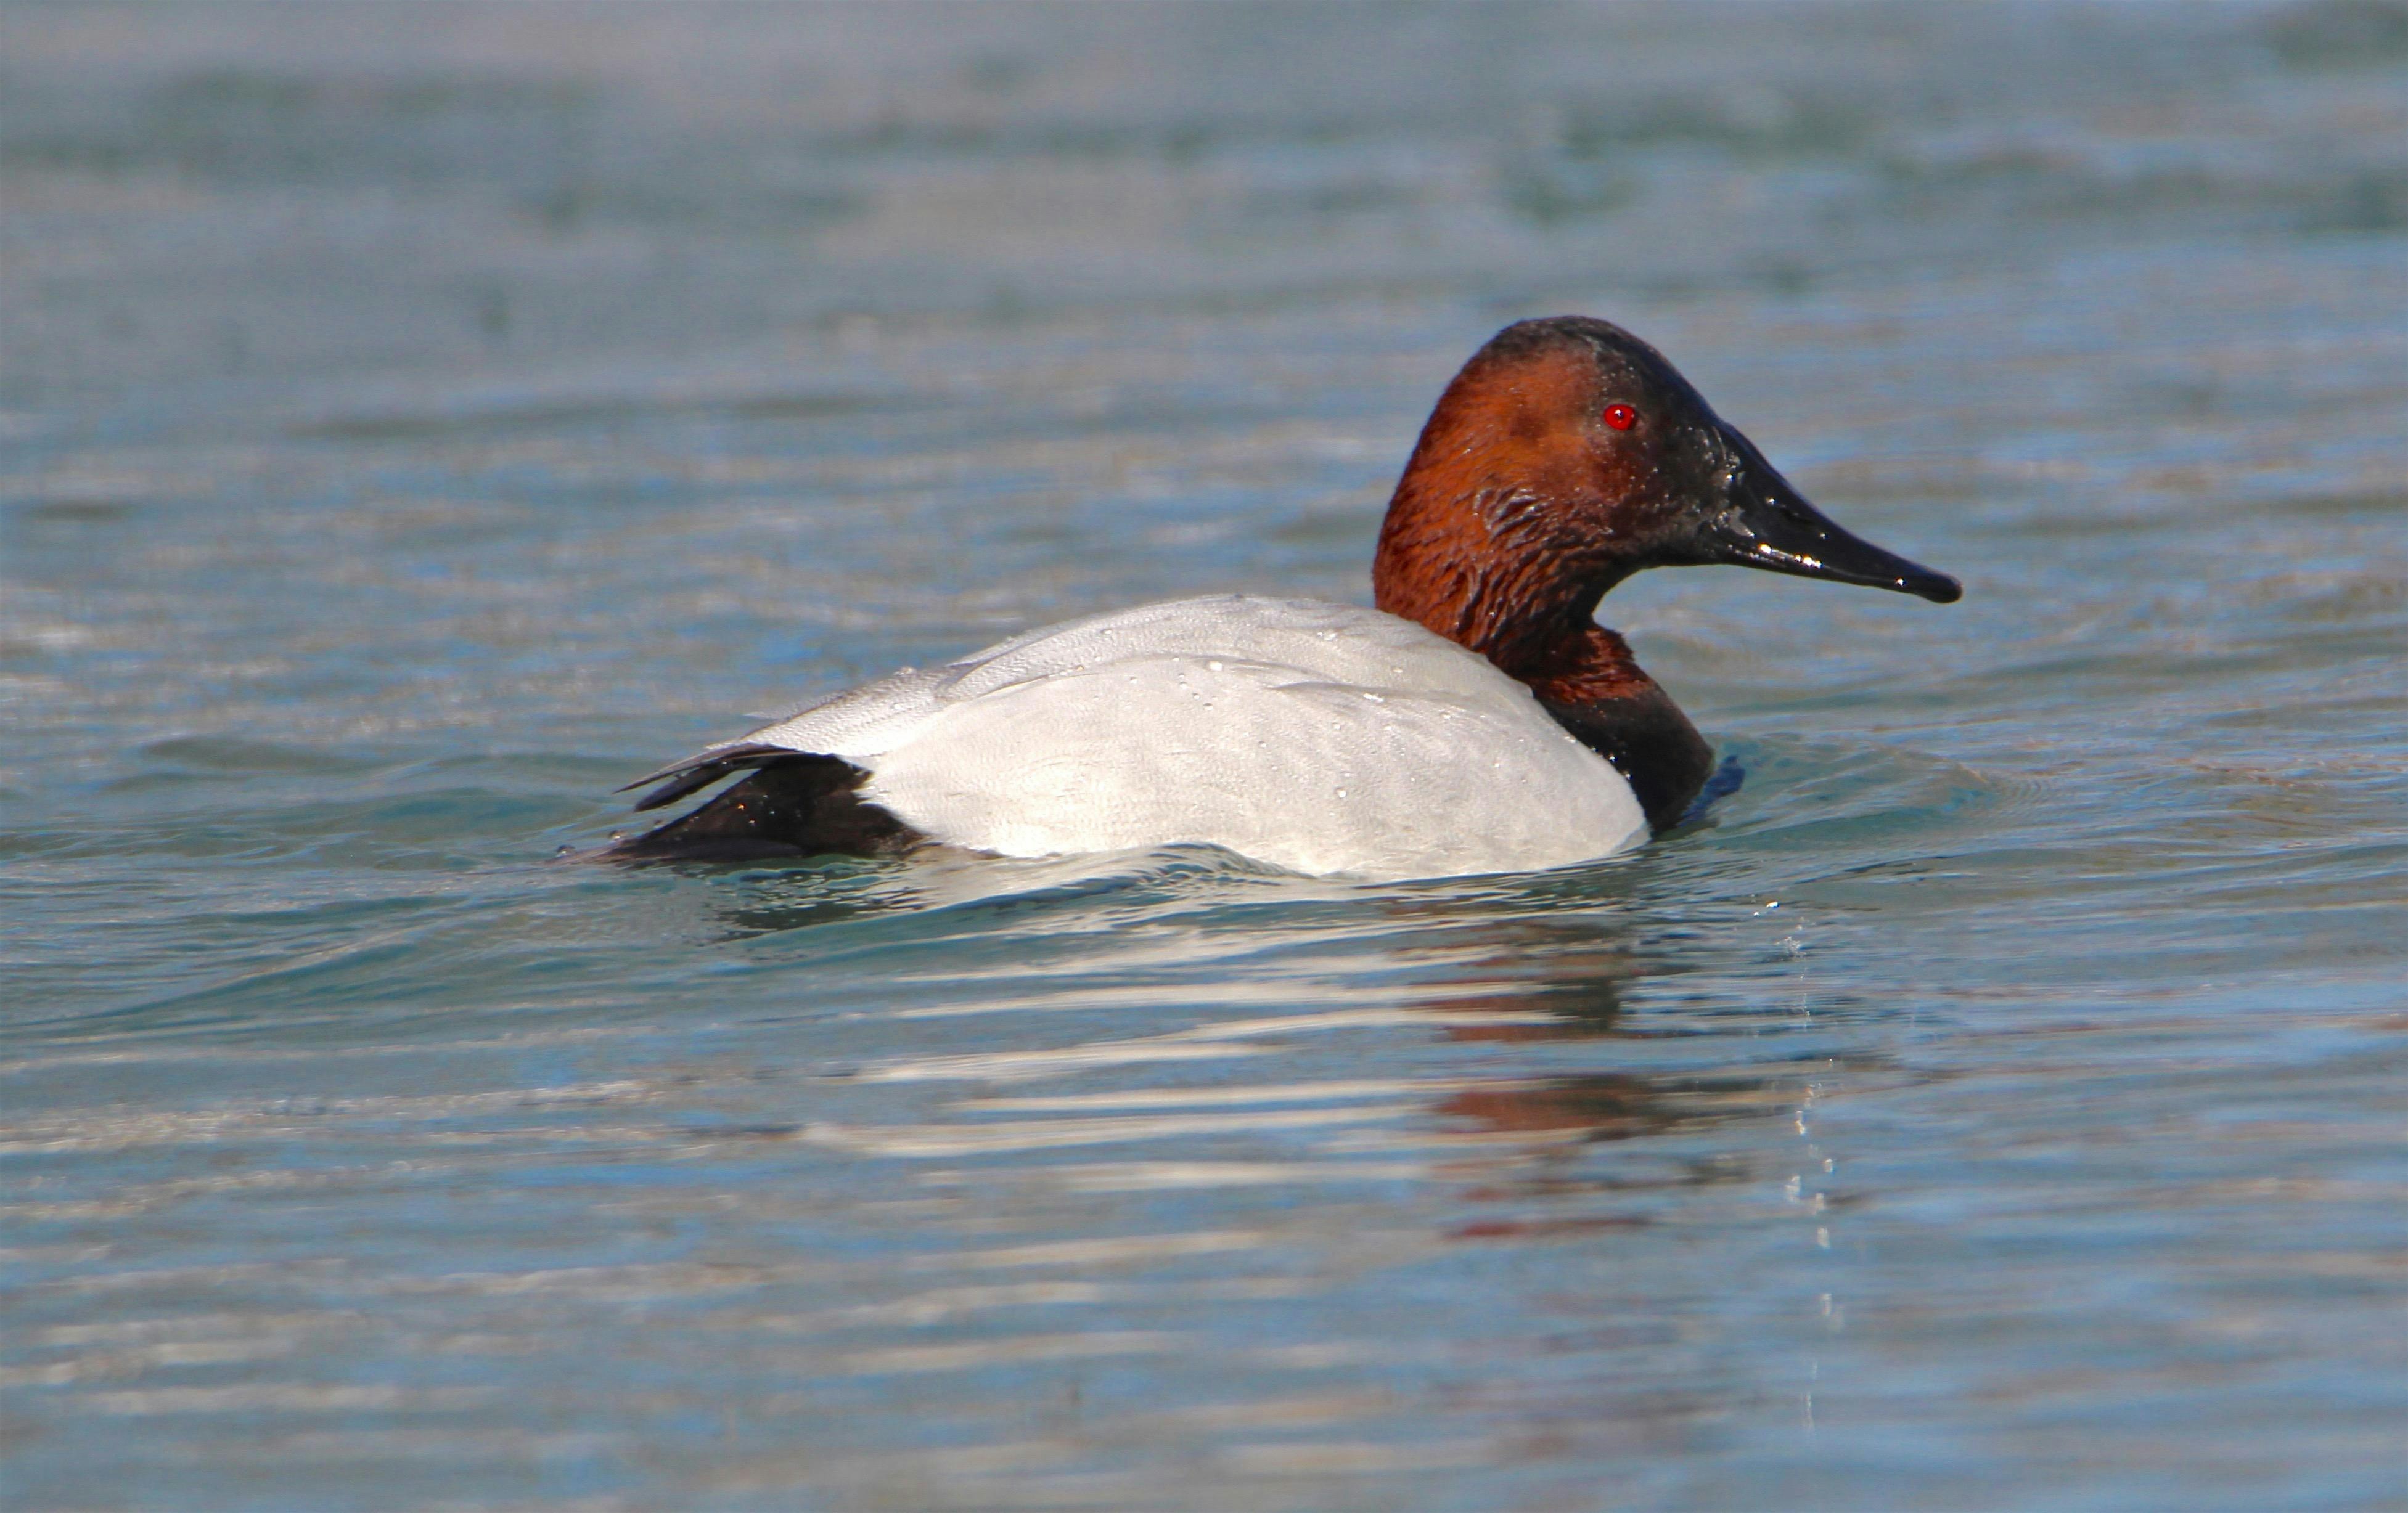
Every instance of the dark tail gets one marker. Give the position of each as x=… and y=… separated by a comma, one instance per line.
x=793, y=805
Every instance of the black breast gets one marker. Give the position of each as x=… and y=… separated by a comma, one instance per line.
x=1650, y=743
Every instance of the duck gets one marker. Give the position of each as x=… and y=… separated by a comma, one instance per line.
x=1476, y=720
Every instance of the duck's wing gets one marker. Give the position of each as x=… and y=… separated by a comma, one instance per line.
x=1337, y=643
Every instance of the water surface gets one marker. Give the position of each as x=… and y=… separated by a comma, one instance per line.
x=414, y=424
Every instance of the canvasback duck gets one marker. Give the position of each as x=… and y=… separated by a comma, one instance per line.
x=1478, y=721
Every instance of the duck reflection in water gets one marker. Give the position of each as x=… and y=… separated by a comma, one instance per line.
x=1541, y=977
x=1553, y=1123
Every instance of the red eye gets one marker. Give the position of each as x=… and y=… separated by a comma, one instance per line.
x=1621, y=416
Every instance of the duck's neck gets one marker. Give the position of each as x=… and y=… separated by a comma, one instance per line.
x=1596, y=690
x=1471, y=552
x=1531, y=614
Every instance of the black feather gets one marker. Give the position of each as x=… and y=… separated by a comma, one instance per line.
x=794, y=804
x=699, y=772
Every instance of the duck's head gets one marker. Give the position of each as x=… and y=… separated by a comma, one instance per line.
x=1568, y=454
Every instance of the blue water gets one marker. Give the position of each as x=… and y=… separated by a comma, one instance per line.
x=415, y=423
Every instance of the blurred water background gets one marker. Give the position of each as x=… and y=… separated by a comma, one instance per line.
x=416, y=422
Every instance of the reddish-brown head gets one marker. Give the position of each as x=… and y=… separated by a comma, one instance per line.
x=1567, y=455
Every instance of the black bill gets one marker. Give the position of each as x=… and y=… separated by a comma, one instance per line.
x=1765, y=522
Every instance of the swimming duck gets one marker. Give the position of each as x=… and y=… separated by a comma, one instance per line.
x=1478, y=721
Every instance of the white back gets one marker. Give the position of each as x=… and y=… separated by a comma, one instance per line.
x=1315, y=736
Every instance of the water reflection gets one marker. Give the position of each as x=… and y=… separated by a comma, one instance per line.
x=1395, y=1115
x=1578, y=994
x=1297, y=1065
